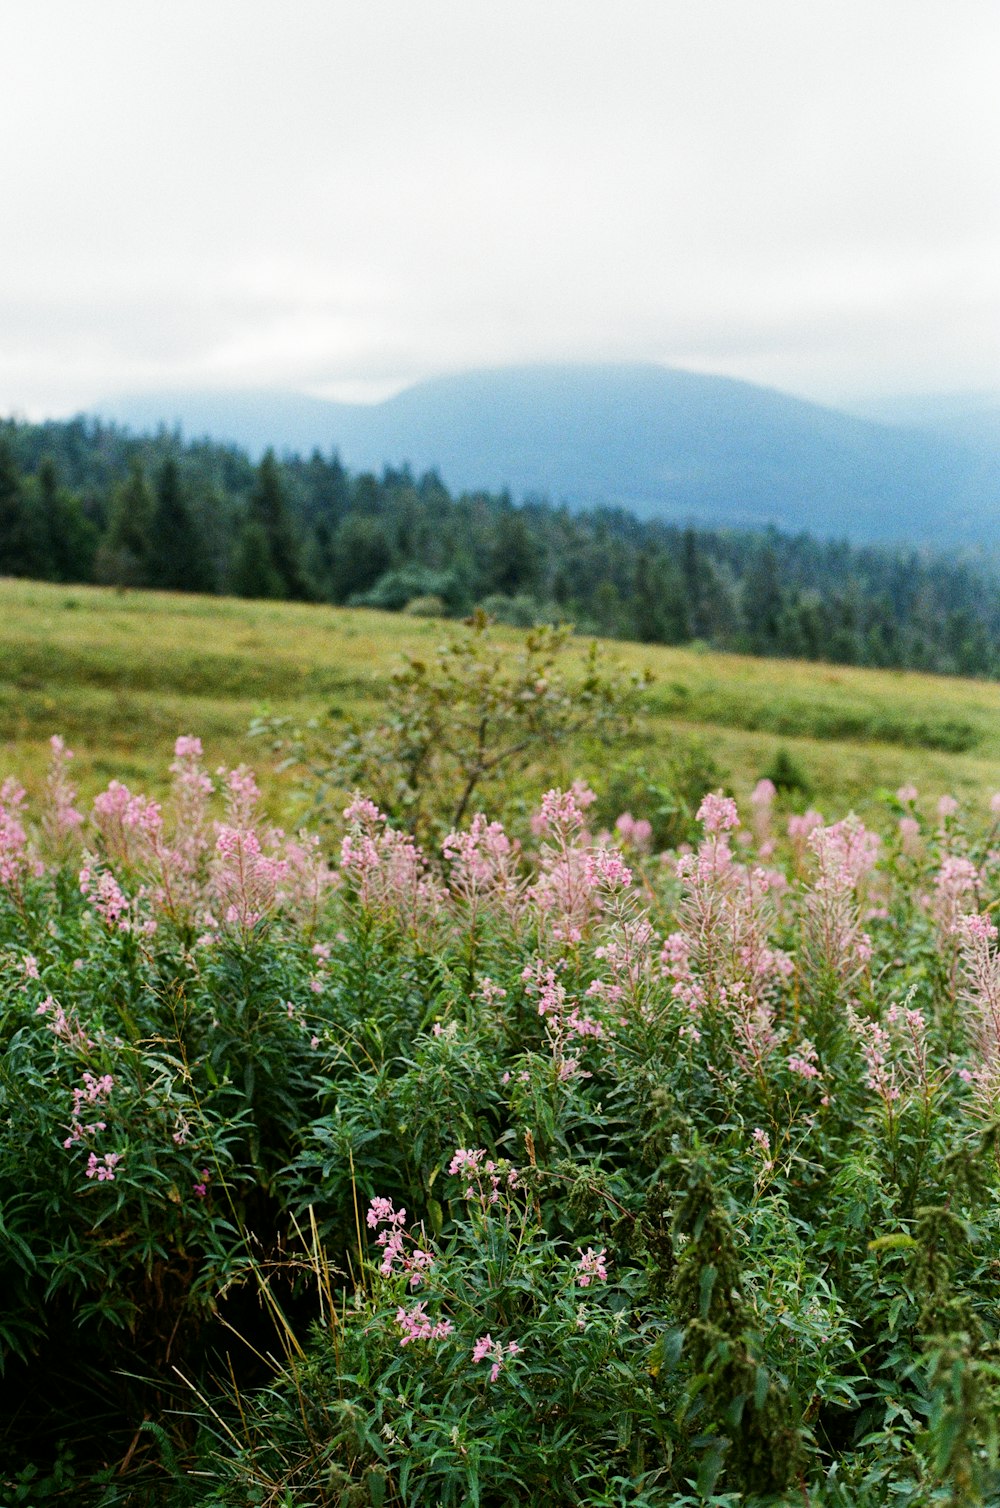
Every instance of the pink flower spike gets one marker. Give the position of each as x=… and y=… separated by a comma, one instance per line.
x=591, y=1267
x=718, y=813
x=382, y=1212
x=486, y=1347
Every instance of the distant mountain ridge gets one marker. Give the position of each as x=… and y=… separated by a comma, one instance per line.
x=668, y=444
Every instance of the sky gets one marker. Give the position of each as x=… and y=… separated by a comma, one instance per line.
x=344, y=198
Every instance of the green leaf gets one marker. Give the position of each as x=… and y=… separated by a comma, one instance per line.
x=706, y=1286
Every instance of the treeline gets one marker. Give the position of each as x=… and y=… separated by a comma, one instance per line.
x=86, y=502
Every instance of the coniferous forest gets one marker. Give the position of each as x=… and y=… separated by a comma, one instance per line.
x=81, y=501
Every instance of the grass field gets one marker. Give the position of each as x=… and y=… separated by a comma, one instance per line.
x=121, y=674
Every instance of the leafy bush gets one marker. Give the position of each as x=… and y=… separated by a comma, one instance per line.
x=461, y=722
x=398, y=588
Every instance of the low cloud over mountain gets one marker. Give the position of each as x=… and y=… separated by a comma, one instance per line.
x=668, y=444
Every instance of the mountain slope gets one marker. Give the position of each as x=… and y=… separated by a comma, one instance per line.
x=668, y=444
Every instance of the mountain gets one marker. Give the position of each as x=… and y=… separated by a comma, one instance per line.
x=668, y=444
x=973, y=419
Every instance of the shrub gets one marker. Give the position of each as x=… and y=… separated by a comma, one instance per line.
x=461, y=722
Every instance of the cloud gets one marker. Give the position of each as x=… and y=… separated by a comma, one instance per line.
x=325, y=194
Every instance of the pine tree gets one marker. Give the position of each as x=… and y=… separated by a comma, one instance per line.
x=253, y=573
x=658, y=600
x=762, y=601
x=24, y=543
x=72, y=538
x=178, y=560
x=269, y=512
x=514, y=557
x=361, y=554
x=123, y=557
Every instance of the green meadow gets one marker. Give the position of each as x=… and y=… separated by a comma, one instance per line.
x=120, y=674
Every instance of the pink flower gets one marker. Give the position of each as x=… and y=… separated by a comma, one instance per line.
x=466, y=1162
x=416, y=1325
x=909, y=834
x=14, y=861
x=242, y=796
x=363, y=811
x=955, y=886
x=876, y=1048
x=486, y=1346
x=103, y=1169
x=764, y=793
x=245, y=878
x=482, y=1348
x=61, y=821
x=109, y=902
x=799, y=827
x=562, y=811
x=484, y=862
x=385, y=869
x=391, y=1242
x=591, y=1267
x=980, y=928
x=606, y=870
x=718, y=813
x=382, y=1212
x=637, y=832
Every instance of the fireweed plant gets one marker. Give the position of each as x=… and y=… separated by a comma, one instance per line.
x=566, y=1172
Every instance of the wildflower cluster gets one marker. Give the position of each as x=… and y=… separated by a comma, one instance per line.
x=601, y=1173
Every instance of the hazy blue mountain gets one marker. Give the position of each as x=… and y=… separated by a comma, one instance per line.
x=971, y=418
x=674, y=445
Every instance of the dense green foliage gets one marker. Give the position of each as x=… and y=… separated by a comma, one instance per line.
x=84, y=502
x=554, y=1173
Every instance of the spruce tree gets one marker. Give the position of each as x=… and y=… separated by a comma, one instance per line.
x=24, y=547
x=269, y=512
x=72, y=537
x=253, y=573
x=11, y=513
x=123, y=558
x=178, y=560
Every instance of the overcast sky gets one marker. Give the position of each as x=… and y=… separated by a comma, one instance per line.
x=345, y=197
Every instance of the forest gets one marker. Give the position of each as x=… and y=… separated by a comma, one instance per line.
x=82, y=501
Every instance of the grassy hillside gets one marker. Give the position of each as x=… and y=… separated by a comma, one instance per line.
x=121, y=674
